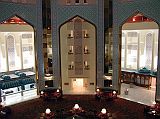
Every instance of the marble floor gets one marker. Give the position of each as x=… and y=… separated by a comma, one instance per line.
x=135, y=93
x=17, y=98
x=138, y=94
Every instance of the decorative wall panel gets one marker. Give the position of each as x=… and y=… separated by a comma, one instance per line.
x=25, y=11
x=148, y=50
x=78, y=54
x=92, y=13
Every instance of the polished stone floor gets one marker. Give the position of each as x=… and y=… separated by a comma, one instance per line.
x=17, y=98
x=135, y=93
x=138, y=94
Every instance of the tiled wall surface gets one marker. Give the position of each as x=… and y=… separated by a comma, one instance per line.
x=25, y=11
x=20, y=1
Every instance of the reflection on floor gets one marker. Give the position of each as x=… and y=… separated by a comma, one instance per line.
x=17, y=98
x=138, y=94
x=79, y=92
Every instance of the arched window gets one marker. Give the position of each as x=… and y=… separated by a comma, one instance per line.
x=139, y=43
x=85, y=1
x=76, y=1
x=16, y=45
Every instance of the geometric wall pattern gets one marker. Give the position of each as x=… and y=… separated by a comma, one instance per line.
x=78, y=55
x=24, y=11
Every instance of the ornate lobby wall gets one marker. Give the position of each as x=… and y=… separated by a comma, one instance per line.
x=62, y=12
x=122, y=10
x=30, y=12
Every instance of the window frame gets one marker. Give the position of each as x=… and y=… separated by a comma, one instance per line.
x=138, y=51
x=77, y=2
x=85, y=1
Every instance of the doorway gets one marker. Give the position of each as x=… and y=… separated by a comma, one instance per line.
x=78, y=85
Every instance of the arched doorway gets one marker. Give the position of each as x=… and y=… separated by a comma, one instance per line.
x=139, y=55
x=17, y=61
x=78, y=56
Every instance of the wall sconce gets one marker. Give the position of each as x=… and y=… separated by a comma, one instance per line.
x=70, y=50
x=70, y=35
x=85, y=63
x=71, y=66
x=86, y=34
x=86, y=66
x=85, y=49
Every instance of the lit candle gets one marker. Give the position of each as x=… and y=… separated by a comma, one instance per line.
x=57, y=90
x=71, y=33
x=72, y=63
x=71, y=49
x=42, y=92
x=76, y=106
x=85, y=63
x=48, y=111
x=134, y=19
x=98, y=90
x=85, y=33
x=114, y=92
x=85, y=48
x=103, y=111
x=127, y=90
x=153, y=104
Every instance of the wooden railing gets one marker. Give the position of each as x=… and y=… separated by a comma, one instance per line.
x=139, y=79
